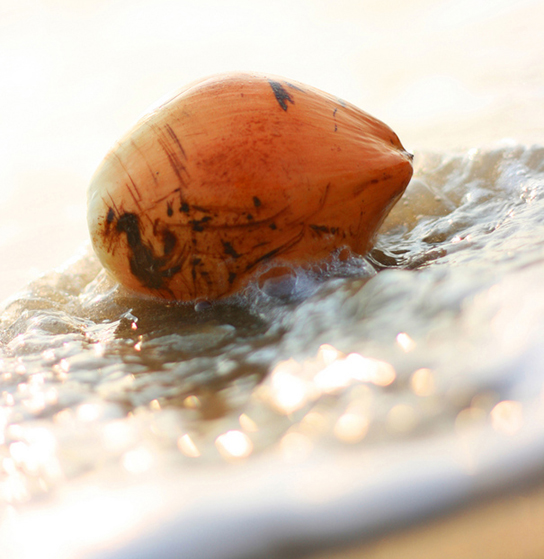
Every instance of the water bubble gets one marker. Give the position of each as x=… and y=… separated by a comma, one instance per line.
x=234, y=444
x=188, y=447
x=507, y=417
x=422, y=382
x=351, y=427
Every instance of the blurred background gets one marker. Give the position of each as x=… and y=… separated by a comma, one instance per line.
x=76, y=74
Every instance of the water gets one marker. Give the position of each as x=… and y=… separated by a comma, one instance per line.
x=238, y=428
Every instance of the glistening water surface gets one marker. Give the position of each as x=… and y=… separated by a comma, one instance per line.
x=416, y=372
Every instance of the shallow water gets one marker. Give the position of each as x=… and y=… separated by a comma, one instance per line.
x=416, y=371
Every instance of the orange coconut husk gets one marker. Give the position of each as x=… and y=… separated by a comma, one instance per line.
x=237, y=172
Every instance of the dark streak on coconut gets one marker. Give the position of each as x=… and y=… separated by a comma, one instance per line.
x=144, y=264
x=169, y=240
x=198, y=224
x=281, y=94
x=229, y=249
x=278, y=250
x=319, y=228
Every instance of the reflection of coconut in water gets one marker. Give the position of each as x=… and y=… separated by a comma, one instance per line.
x=236, y=172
